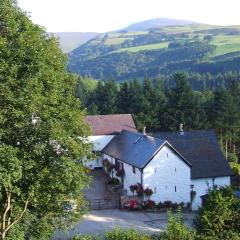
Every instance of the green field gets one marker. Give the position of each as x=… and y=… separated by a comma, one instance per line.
x=143, y=48
x=116, y=41
x=225, y=44
x=187, y=29
x=135, y=33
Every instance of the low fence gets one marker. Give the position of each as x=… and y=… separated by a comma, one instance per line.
x=104, y=203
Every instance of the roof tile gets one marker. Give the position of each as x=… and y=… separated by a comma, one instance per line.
x=110, y=124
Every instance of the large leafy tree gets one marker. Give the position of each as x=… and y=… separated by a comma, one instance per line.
x=42, y=130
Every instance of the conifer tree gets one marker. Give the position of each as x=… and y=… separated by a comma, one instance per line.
x=123, y=99
x=183, y=106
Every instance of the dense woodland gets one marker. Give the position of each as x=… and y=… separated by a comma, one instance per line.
x=162, y=108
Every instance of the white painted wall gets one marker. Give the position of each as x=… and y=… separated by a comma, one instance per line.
x=202, y=185
x=99, y=142
x=130, y=178
x=165, y=172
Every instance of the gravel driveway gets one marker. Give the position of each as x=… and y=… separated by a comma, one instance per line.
x=97, y=222
x=98, y=188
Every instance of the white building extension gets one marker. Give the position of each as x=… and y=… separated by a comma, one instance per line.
x=104, y=128
x=172, y=165
x=202, y=185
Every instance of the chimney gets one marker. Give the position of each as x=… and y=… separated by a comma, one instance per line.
x=181, y=129
x=144, y=131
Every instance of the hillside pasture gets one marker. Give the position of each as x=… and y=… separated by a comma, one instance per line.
x=147, y=47
x=225, y=44
x=116, y=41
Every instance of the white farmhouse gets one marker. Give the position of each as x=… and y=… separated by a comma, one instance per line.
x=173, y=165
x=104, y=128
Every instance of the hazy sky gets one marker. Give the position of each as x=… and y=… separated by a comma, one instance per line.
x=107, y=15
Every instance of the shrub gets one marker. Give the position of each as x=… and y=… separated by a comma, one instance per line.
x=84, y=237
x=175, y=206
x=182, y=204
x=123, y=234
x=113, y=181
x=133, y=188
x=232, y=158
x=167, y=204
x=220, y=214
x=159, y=205
x=140, y=190
x=120, y=173
x=148, y=192
x=150, y=204
x=176, y=230
x=235, y=167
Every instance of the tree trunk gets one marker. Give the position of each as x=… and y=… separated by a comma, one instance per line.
x=6, y=223
x=3, y=236
x=234, y=143
x=226, y=149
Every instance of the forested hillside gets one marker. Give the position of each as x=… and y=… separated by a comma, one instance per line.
x=194, y=48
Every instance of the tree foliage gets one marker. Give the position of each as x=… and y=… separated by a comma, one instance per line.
x=219, y=216
x=40, y=125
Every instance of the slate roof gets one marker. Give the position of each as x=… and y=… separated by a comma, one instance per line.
x=110, y=124
x=202, y=150
x=134, y=148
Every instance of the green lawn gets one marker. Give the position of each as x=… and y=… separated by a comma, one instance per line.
x=143, y=47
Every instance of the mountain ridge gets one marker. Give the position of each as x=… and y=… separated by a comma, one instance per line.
x=68, y=41
x=157, y=23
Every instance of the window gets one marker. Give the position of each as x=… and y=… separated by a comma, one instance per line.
x=175, y=189
x=155, y=170
x=175, y=169
x=167, y=155
x=155, y=190
x=97, y=153
x=120, y=166
x=134, y=169
x=117, y=164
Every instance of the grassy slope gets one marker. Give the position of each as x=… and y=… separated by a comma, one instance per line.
x=226, y=44
x=144, y=47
